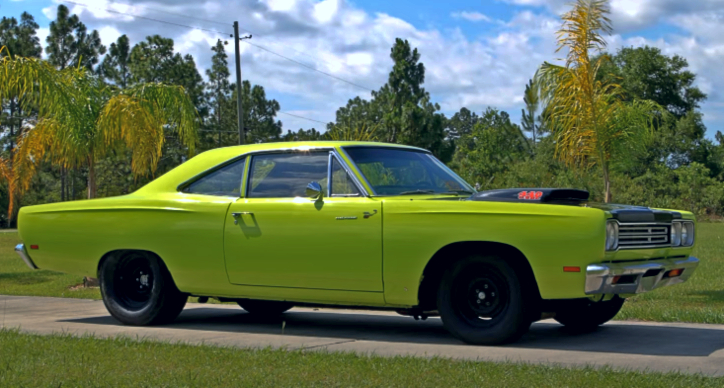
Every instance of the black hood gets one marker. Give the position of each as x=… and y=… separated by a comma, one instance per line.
x=630, y=213
x=574, y=197
x=571, y=197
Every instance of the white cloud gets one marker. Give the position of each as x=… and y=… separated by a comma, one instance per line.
x=630, y=15
x=338, y=38
x=471, y=16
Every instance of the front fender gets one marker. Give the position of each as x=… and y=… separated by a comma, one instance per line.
x=549, y=236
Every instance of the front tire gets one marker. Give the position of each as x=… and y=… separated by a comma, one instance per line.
x=138, y=290
x=586, y=315
x=266, y=308
x=482, y=302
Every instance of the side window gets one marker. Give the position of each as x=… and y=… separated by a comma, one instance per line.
x=286, y=175
x=225, y=181
x=342, y=184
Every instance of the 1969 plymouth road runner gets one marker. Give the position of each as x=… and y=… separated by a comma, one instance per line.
x=272, y=226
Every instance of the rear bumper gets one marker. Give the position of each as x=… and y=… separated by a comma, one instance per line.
x=636, y=278
x=20, y=250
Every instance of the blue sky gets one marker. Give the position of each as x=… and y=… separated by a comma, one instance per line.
x=477, y=53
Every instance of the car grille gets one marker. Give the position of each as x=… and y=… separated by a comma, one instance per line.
x=637, y=236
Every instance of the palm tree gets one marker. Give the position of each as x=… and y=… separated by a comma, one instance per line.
x=588, y=117
x=362, y=132
x=81, y=119
x=33, y=84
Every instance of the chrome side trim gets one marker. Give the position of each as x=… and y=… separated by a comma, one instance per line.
x=600, y=277
x=20, y=250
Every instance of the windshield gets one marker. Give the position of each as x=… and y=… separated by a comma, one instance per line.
x=395, y=171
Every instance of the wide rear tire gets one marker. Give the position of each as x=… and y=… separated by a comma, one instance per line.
x=482, y=302
x=138, y=290
x=266, y=308
x=586, y=315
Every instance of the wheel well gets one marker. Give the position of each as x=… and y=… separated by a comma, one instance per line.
x=446, y=256
x=119, y=251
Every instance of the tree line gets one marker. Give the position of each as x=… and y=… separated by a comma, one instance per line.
x=666, y=162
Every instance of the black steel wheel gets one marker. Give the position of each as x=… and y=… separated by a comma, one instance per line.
x=266, y=308
x=586, y=315
x=133, y=282
x=137, y=289
x=482, y=302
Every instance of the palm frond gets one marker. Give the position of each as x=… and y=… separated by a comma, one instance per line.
x=361, y=132
x=171, y=105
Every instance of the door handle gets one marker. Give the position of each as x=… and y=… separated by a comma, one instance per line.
x=368, y=214
x=236, y=216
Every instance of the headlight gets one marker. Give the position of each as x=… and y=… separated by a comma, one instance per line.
x=687, y=234
x=611, y=235
x=676, y=234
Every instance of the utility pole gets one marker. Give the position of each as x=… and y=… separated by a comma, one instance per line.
x=239, y=105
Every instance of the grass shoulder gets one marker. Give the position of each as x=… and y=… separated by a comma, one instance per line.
x=62, y=360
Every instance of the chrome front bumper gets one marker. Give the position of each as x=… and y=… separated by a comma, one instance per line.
x=20, y=250
x=636, y=277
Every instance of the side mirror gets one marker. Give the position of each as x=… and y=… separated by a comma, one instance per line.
x=314, y=190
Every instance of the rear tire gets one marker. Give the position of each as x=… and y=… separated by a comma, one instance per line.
x=586, y=315
x=138, y=290
x=482, y=302
x=266, y=308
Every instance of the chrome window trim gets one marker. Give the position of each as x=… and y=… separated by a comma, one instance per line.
x=334, y=155
x=223, y=164
x=332, y=152
x=453, y=173
x=329, y=173
x=409, y=149
x=185, y=184
x=354, y=177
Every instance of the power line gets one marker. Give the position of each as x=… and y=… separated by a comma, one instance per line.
x=276, y=42
x=273, y=41
x=175, y=14
x=224, y=34
x=151, y=19
x=309, y=67
x=301, y=117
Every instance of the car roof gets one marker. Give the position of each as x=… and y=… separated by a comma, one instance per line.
x=209, y=159
x=302, y=145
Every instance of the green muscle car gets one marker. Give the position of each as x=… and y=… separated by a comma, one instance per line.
x=353, y=224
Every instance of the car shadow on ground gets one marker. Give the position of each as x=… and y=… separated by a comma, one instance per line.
x=611, y=338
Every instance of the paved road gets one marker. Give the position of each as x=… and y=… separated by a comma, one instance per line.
x=630, y=345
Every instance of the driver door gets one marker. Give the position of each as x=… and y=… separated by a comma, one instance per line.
x=277, y=236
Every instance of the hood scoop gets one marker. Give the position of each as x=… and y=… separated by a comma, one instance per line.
x=571, y=197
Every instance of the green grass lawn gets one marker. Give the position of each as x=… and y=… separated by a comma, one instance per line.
x=699, y=300
x=17, y=279
x=55, y=361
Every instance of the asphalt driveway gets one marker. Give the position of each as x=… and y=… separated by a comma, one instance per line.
x=691, y=348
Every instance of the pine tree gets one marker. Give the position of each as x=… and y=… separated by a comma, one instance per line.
x=220, y=126
x=114, y=67
x=70, y=44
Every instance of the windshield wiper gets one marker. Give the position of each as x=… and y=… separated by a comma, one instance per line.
x=417, y=192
